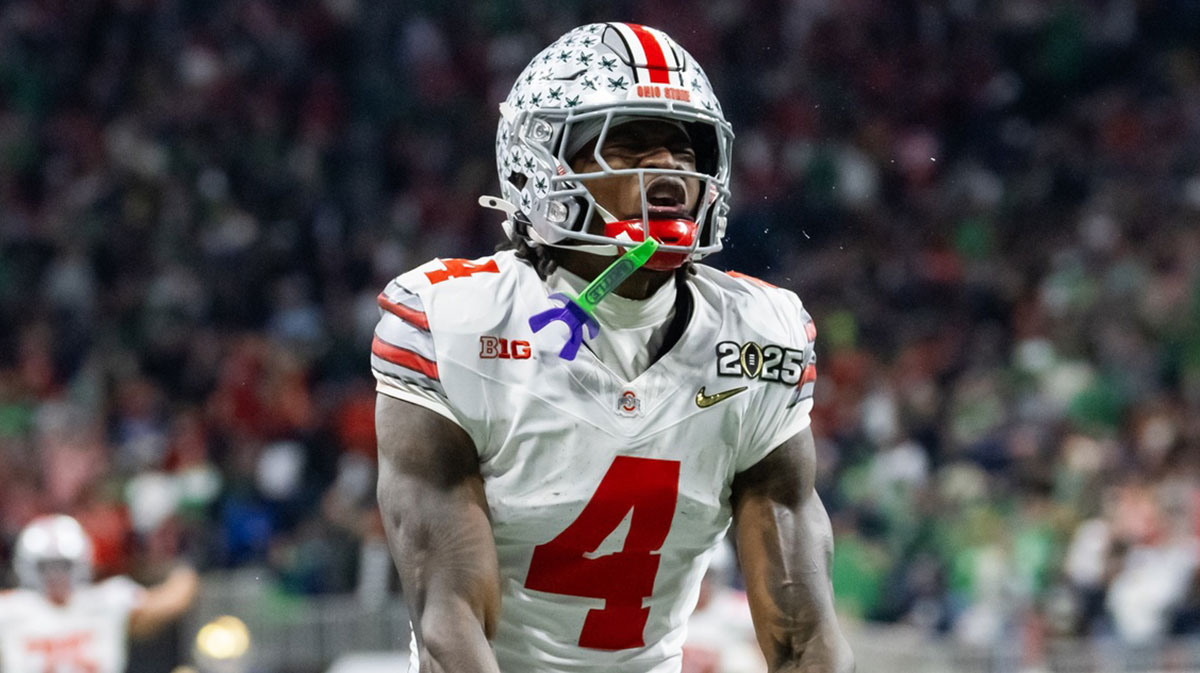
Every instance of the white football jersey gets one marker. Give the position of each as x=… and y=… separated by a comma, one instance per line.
x=87, y=635
x=606, y=495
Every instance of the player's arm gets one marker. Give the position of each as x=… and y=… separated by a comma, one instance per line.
x=164, y=603
x=432, y=499
x=785, y=545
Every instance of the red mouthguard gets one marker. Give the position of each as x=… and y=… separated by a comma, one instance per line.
x=668, y=232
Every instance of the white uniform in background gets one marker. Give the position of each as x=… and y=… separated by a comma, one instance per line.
x=720, y=633
x=720, y=637
x=87, y=635
x=607, y=495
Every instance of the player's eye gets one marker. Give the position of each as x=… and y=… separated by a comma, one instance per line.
x=684, y=153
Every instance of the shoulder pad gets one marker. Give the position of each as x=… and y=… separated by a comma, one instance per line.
x=462, y=295
x=772, y=311
x=778, y=316
x=438, y=271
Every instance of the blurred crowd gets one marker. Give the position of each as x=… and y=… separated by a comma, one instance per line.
x=990, y=208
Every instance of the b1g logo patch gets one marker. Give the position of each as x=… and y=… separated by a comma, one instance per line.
x=770, y=362
x=499, y=348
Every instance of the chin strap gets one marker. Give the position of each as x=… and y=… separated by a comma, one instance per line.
x=510, y=209
x=672, y=231
x=497, y=203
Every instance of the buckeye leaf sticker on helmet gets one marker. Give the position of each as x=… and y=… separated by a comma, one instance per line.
x=591, y=79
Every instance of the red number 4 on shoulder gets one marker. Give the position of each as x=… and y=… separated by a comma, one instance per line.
x=460, y=268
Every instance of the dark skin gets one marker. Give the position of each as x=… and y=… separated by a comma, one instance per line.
x=436, y=517
x=785, y=548
x=640, y=144
x=431, y=490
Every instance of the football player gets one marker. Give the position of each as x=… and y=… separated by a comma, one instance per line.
x=60, y=621
x=548, y=514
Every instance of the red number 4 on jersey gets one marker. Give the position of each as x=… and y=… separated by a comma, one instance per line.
x=624, y=579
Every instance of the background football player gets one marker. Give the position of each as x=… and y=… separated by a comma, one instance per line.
x=60, y=621
x=551, y=515
x=720, y=634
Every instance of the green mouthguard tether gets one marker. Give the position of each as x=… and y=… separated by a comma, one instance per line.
x=616, y=273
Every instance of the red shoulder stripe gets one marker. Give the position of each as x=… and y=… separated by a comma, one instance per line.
x=809, y=376
x=752, y=279
x=409, y=315
x=405, y=358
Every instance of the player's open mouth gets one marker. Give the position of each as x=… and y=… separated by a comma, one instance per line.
x=666, y=199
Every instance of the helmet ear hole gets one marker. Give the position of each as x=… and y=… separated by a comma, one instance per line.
x=559, y=110
x=704, y=142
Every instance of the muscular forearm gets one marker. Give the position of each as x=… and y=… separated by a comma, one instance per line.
x=435, y=514
x=786, y=563
x=785, y=545
x=451, y=599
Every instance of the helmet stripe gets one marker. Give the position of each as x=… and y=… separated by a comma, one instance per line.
x=656, y=61
x=671, y=56
x=634, y=48
x=646, y=53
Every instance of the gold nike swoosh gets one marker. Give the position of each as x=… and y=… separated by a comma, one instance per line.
x=705, y=401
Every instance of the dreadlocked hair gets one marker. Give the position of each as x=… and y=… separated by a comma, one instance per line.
x=545, y=265
x=530, y=254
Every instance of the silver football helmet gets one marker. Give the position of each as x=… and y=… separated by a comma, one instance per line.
x=52, y=538
x=591, y=79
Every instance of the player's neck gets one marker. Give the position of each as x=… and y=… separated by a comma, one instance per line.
x=616, y=311
x=641, y=285
x=59, y=600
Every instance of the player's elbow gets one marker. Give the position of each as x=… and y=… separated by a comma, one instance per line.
x=828, y=652
x=446, y=627
x=843, y=658
x=165, y=603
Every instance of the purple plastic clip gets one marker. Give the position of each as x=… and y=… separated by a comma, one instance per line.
x=574, y=317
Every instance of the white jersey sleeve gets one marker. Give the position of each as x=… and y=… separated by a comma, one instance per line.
x=403, y=356
x=789, y=334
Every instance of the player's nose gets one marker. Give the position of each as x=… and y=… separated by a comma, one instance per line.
x=661, y=157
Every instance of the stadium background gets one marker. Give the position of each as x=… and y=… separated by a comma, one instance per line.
x=990, y=208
